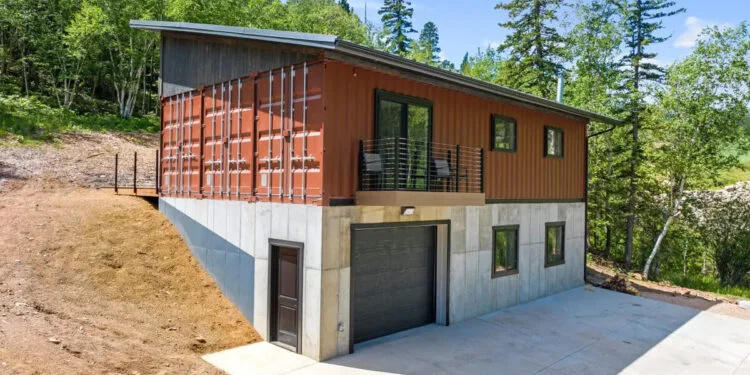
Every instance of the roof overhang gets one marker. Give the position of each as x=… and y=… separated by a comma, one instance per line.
x=333, y=43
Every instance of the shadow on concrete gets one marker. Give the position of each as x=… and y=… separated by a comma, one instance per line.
x=231, y=268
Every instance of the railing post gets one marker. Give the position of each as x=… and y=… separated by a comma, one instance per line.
x=458, y=166
x=481, y=170
x=116, y=162
x=360, y=165
x=156, y=186
x=428, y=170
x=397, y=174
x=135, y=172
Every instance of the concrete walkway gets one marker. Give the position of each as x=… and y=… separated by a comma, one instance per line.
x=575, y=332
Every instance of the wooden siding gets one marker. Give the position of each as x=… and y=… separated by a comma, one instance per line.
x=458, y=118
x=189, y=61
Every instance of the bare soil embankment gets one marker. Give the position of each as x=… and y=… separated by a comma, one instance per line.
x=96, y=283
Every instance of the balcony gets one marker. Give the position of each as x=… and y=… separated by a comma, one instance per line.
x=407, y=172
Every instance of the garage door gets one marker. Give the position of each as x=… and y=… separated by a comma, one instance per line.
x=393, y=270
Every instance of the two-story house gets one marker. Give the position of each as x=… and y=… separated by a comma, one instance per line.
x=338, y=194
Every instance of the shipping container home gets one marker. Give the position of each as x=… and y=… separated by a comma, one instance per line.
x=338, y=194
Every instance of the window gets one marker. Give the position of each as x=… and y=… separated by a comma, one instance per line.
x=553, y=142
x=505, y=250
x=554, y=244
x=503, y=134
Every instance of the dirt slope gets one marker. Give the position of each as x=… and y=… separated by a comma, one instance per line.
x=92, y=283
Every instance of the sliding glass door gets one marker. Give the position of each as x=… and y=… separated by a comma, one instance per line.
x=403, y=128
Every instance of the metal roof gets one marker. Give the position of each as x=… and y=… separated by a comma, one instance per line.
x=333, y=43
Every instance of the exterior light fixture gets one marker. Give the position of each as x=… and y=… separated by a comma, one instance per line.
x=407, y=210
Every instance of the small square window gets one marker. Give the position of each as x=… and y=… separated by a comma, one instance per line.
x=503, y=134
x=505, y=250
x=554, y=244
x=553, y=142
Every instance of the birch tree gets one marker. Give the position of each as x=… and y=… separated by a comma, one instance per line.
x=126, y=51
x=700, y=113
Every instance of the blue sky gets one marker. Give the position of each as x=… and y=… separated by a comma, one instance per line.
x=469, y=24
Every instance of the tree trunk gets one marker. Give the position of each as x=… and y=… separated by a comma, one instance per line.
x=675, y=210
x=608, y=242
x=659, y=240
x=635, y=151
x=684, y=261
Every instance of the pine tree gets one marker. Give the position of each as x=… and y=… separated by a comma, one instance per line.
x=596, y=44
x=534, y=44
x=345, y=5
x=396, y=17
x=429, y=39
x=643, y=18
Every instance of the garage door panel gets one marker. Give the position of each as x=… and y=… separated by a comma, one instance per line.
x=380, y=303
x=394, y=279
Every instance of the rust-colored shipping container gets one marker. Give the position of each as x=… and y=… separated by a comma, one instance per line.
x=228, y=111
x=457, y=118
x=257, y=137
x=180, y=137
x=289, y=134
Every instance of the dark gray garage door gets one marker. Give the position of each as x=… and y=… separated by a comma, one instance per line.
x=393, y=271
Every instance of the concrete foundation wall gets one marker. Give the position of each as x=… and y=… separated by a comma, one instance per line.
x=472, y=290
x=230, y=240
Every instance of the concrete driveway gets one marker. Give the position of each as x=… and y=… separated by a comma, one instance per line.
x=575, y=332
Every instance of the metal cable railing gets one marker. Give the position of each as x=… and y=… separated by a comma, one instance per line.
x=411, y=165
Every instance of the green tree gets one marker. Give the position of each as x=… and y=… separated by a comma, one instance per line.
x=595, y=43
x=396, y=17
x=483, y=65
x=643, y=19
x=429, y=41
x=324, y=17
x=534, y=45
x=209, y=11
x=700, y=113
x=126, y=51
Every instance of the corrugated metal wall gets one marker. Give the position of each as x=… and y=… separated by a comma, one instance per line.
x=290, y=125
x=257, y=137
x=228, y=139
x=458, y=118
x=181, y=143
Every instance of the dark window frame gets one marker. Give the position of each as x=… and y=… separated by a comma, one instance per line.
x=562, y=142
x=503, y=228
x=402, y=99
x=493, y=130
x=547, y=226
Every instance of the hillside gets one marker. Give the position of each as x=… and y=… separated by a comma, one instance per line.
x=96, y=283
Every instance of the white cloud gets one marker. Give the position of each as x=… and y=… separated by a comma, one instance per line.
x=687, y=39
x=693, y=28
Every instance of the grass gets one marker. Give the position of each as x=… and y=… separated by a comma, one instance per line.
x=28, y=120
x=734, y=175
x=707, y=284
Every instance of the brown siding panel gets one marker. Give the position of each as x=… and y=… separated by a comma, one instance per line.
x=458, y=118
